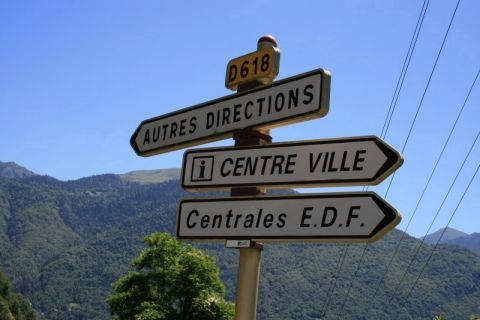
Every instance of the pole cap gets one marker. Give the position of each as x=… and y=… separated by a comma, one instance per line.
x=267, y=41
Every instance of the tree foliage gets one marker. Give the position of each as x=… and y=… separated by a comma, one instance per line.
x=14, y=306
x=170, y=281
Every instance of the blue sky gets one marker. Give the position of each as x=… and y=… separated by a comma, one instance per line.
x=76, y=78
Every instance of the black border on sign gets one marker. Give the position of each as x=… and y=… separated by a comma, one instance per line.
x=393, y=162
x=211, y=170
x=391, y=219
x=321, y=111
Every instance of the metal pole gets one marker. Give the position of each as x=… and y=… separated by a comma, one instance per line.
x=249, y=260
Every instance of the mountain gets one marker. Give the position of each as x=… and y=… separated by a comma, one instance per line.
x=450, y=234
x=14, y=171
x=470, y=241
x=453, y=236
x=63, y=244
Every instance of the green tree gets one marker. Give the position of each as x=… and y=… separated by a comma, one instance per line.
x=170, y=281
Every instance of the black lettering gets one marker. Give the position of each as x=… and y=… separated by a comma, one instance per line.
x=259, y=217
x=325, y=161
x=173, y=129
x=249, y=167
x=232, y=73
x=248, y=115
x=193, y=212
x=290, y=163
x=351, y=214
x=238, y=165
x=204, y=221
x=164, y=127
x=330, y=165
x=222, y=172
x=279, y=106
x=269, y=104
x=344, y=160
x=146, y=138
x=281, y=220
x=314, y=165
x=325, y=214
x=307, y=93
x=236, y=220
x=358, y=160
x=236, y=112
x=217, y=217
x=248, y=220
x=268, y=220
x=183, y=124
x=292, y=98
x=229, y=216
x=265, y=160
x=260, y=105
x=202, y=170
x=226, y=116
x=193, y=124
x=210, y=120
x=156, y=134
x=305, y=216
x=277, y=163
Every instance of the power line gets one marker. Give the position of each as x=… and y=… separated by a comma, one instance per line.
x=337, y=275
x=429, y=179
x=436, y=215
x=411, y=129
x=389, y=115
x=403, y=73
x=353, y=278
x=437, y=161
x=441, y=236
x=426, y=88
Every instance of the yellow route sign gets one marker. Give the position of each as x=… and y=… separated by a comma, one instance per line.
x=261, y=65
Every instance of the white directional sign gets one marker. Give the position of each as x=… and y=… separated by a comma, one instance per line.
x=294, y=99
x=351, y=161
x=329, y=217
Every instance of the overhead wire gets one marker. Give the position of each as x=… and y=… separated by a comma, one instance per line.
x=405, y=66
x=389, y=115
x=334, y=284
x=429, y=179
x=407, y=297
x=420, y=104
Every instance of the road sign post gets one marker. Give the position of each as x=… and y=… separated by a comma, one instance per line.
x=248, y=276
x=254, y=164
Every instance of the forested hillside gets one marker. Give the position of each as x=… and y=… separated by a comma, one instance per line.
x=64, y=243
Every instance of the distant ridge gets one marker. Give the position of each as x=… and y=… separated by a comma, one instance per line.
x=457, y=237
x=12, y=170
x=450, y=234
x=151, y=176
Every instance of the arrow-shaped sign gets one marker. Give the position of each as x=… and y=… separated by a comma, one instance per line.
x=332, y=162
x=291, y=100
x=329, y=217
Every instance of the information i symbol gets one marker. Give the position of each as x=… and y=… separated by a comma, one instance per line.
x=202, y=170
